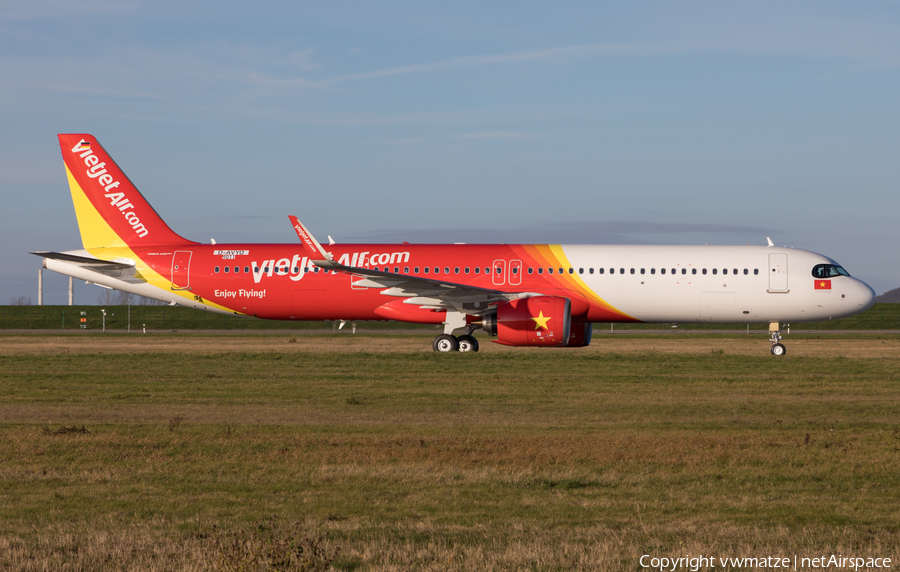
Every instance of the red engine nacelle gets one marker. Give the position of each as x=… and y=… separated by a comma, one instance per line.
x=537, y=321
x=580, y=334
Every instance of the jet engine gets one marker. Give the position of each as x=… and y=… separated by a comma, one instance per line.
x=537, y=321
x=580, y=334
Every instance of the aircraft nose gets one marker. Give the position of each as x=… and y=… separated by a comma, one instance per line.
x=864, y=295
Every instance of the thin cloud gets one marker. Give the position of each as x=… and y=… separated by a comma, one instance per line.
x=543, y=55
x=486, y=135
x=605, y=232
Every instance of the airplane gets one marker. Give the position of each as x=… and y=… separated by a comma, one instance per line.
x=542, y=295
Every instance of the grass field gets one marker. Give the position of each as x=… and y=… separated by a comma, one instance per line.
x=231, y=452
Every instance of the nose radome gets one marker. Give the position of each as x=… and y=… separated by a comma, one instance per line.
x=864, y=295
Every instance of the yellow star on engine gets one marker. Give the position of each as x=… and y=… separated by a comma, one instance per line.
x=541, y=321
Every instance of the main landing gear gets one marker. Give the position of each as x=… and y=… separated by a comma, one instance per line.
x=449, y=343
x=775, y=337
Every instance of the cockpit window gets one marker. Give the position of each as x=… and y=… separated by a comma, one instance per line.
x=828, y=271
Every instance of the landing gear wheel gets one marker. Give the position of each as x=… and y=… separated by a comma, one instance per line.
x=778, y=350
x=445, y=343
x=467, y=343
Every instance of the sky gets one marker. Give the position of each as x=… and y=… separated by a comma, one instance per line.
x=568, y=122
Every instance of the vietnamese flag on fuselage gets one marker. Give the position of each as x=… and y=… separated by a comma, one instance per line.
x=823, y=284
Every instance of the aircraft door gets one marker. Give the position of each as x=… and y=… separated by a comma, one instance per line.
x=498, y=272
x=778, y=272
x=181, y=270
x=515, y=272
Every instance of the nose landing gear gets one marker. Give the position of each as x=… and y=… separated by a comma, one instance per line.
x=775, y=337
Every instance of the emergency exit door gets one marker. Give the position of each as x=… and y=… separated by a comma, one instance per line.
x=181, y=270
x=778, y=272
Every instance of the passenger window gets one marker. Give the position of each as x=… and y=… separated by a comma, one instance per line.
x=540, y=270
x=734, y=271
x=396, y=270
x=437, y=269
x=416, y=270
x=571, y=270
x=227, y=269
x=487, y=270
x=632, y=270
x=246, y=269
x=581, y=270
x=693, y=270
x=662, y=270
x=746, y=271
x=477, y=269
x=724, y=271
x=549, y=271
x=446, y=270
x=715, y=271
x=456, y=270
x=406, y=269
x=600, y=270
x=560, y=270
x=530, y=270
x=683, y=271
x=316, y=269
x=642, y=270
x=653, y=271
x=621, y=271
x=755, y=271
x=673, y=271
x=704, y=271
x=590, y=270
x=467, y=269
x=427, y=269
x=515, y=270
x=217, y=269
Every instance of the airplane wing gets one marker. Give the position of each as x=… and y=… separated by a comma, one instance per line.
x=427, y=293
x=424, y=292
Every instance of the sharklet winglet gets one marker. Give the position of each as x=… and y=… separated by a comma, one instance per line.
x=313, y=249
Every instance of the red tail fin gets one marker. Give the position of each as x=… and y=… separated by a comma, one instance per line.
x=110, y=209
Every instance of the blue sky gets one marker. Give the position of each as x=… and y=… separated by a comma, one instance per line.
x=585, y=122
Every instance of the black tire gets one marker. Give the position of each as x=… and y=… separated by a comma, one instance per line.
x=467, y=343
x=778, y=350
x=445, y=343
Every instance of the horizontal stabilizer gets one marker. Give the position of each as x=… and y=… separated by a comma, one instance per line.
x=81, y=260
x=113, y=269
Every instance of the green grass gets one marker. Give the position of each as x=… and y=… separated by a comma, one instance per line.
x=540, y=460
x=879, y=317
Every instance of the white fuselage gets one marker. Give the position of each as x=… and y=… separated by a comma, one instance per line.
x=737, y=284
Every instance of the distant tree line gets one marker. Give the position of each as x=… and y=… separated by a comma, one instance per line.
x=891, y=296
